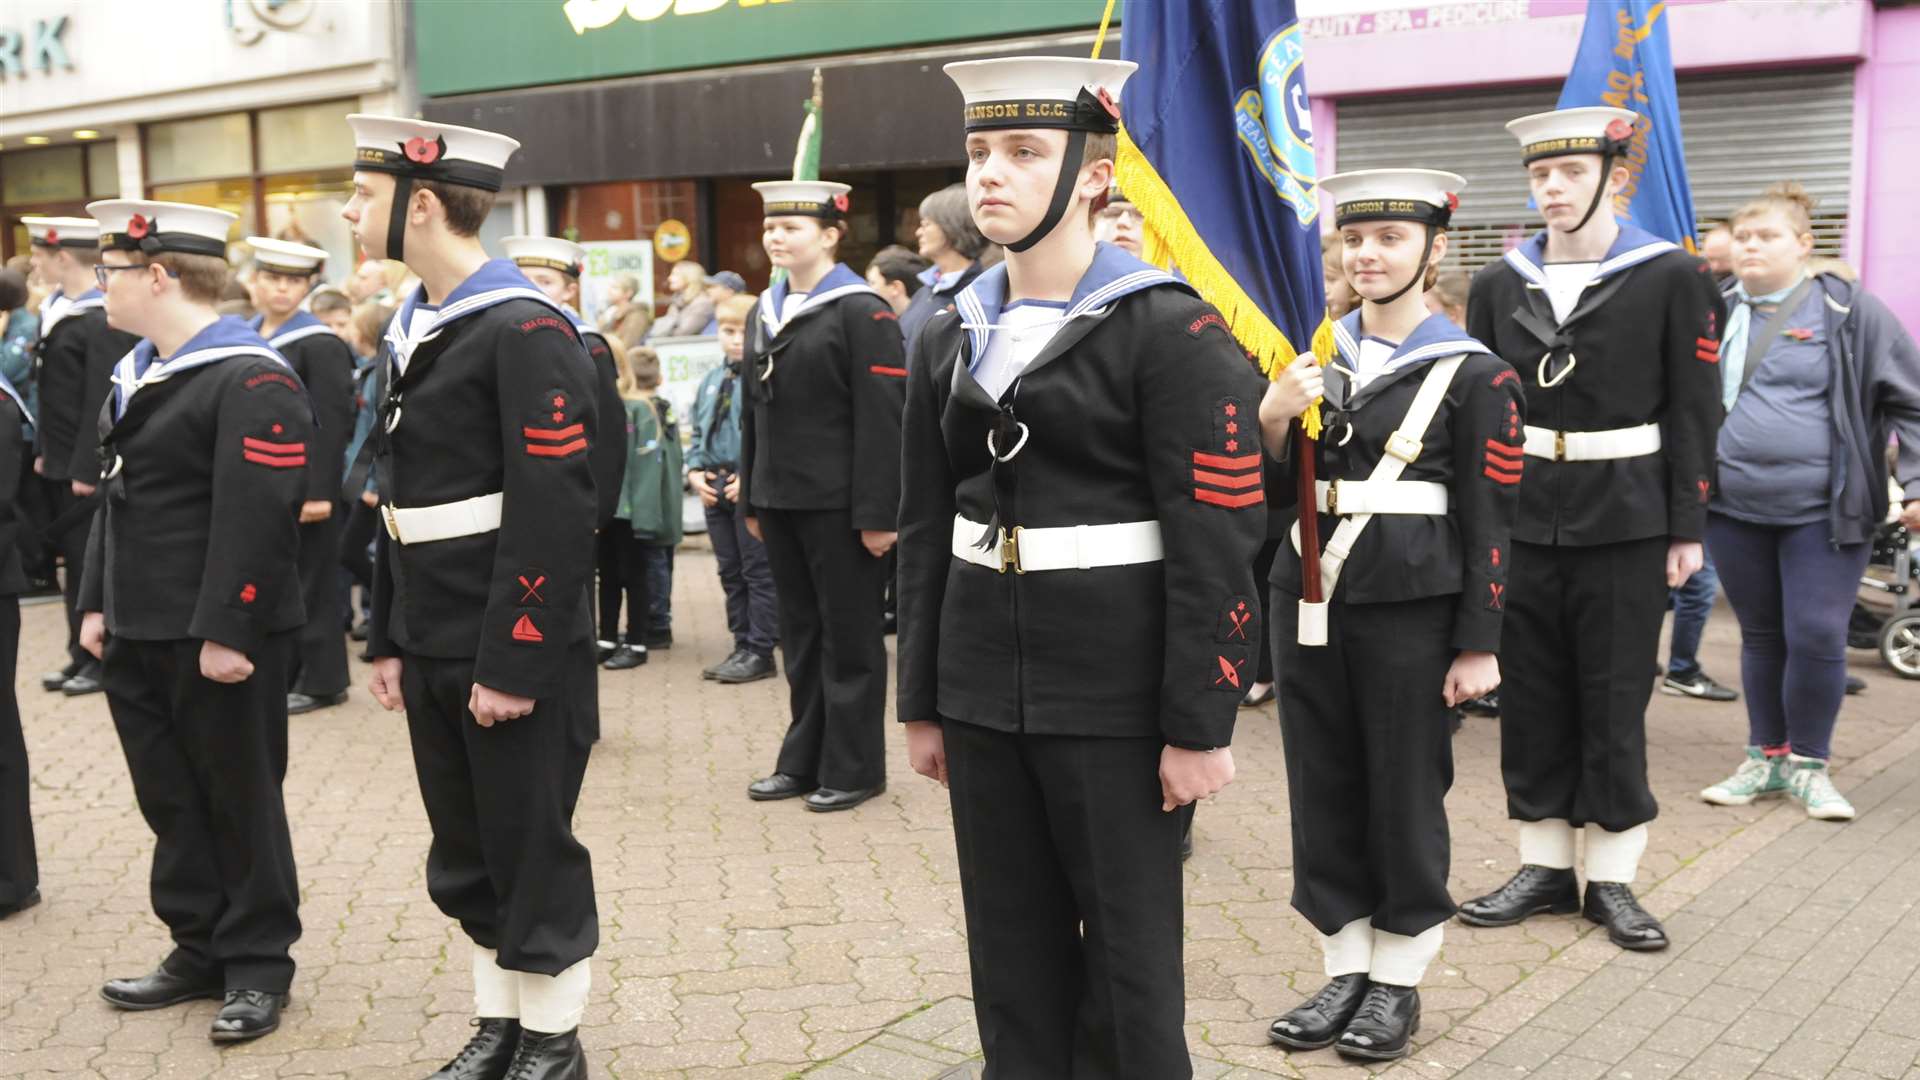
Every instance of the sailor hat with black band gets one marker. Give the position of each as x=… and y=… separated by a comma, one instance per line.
x=152, y=228
x=1426, y=196
x=549, y=251
x=424, y=150
x=821, y=199
x=59, y=232
x=286, y=257
x=1590, y=129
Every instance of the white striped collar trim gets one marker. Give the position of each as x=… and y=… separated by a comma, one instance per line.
x=1532, y=272
x=813, y=302
x=126, y=383
x=301, y=334
x=973, y=313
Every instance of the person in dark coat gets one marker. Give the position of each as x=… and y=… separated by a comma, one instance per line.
x=1081, y=505
x=19, y=863
x=482, y=622
x=820, y=483
x=1616, y=336
x=284, y=273
x=192, y=600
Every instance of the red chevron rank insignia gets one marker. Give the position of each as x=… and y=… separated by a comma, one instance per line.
x=1230, y=476
x=1707, y=350
x=274, y=455
x=1504, y=462
x=555, y=442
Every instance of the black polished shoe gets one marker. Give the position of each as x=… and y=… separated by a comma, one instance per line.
x=306, y=703
x=157, y=990
x=604, y=650
x=1484, y=705
x=1855, y=684
x=750, y=667
x=1321, y=1018
x=625, y=658
x=1612, y=905
x=247, y=1014
x=827, y=800
x=1186, y=842
x=487, y=1054
x=779, y=786
x=659, y=639
x=358, y=632
x=85, y=681
x=52, y=681
x=712, y=670
x=1257, y=698
x=32, y=899
x=1531, y=891
x=547, y=1057
x=1382, y=1029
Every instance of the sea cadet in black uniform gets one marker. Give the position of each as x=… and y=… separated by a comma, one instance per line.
x=1616, y=336
x=77, y=351
x=284, y=273
x=1419, y=465
x=820, y=481
x=19, y=864
x=480, y=606
x=554, y=266
x=1081, y=502
x=192, y=598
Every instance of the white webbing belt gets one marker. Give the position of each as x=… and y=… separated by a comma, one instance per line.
x=1627, y=442
x=1374, y=497
x=1066, y=547
x=1403, y=446
x=425, y=524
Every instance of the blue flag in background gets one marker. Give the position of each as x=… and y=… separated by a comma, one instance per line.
x=1217, y=152
x=1626, y=60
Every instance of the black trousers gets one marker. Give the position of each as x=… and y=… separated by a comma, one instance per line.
x=72, y=545
x=1262, y=570
x=834, y=640
x=753, y=615
x=1369, y=762
x=207, y=761
x=1578, y=651
x=622, y=569
x=1070, y=876
x=356, y=551
x=504, y=861
x=19, y=866
x=320, y=666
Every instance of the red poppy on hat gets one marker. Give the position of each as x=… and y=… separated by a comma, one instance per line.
x=53, y=236
x=1619, y=129
x=1107, y=103
x=422, y=152
x=138, y=226
x=1453, y=202
x=841, y=202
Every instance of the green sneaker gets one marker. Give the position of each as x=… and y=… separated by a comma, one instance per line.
x=1811, y=785
x=1757, y=777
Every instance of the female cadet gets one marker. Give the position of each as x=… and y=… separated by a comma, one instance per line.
x=820, y=481
x=1419, y=457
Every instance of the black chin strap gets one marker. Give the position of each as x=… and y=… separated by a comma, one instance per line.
x=1062, y=192
x=397, y=218
x=1599, y=193
x=1419, y=275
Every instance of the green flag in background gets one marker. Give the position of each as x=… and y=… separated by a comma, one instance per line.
x=806, y=153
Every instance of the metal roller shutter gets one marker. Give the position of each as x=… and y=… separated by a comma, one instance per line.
x=1743, y=132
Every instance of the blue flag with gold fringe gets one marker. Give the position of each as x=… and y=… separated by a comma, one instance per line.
x=1217, y=152
x=1625, y=60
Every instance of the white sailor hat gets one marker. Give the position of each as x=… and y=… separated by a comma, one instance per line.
x=1427, y=196
x=424, y=150
x=153, y=227
x=53, y=232
x=551, y=252
x=285, y=256
x=1042, y=92
x=804, y=198
x=1590, y=129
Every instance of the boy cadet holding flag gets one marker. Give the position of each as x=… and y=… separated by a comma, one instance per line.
x=192, y=566
x=284, y=273
x=1081, y=503
x=480, y=592
x=1616, y=336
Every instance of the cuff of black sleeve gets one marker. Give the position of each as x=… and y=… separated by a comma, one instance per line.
x=1202, y=747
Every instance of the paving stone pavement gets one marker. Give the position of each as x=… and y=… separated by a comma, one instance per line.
x=753, y=940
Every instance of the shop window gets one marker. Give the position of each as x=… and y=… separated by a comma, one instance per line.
x=305, y=137
x=207, y=146
x=305, y=208
x=234, y=196
x=103, y=170
x=44, y=176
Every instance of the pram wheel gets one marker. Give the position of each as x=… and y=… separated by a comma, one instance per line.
x=1900, y=645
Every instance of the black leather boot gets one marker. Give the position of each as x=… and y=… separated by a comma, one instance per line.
x=1383, y=1028
x=158, y=989
x=247, y=1014
x=486, y=1055
x=1531, y=891
x=1321, y=1018
x=548, y=1057
x=779, y=786
x=1629, y=926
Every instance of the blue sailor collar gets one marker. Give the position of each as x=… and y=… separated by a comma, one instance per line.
x=1632, y=247
x=1432, y=339
x=224, y=339
x=838, y=282
x=580, y=323
x=1114, y=273
x=302, y=325
x=67, y=307
x=496, y=282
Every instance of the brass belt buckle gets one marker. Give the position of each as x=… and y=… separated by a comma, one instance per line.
x=1010, y=550
x=1333, y=497
x=1559, y=446
x=393, y=528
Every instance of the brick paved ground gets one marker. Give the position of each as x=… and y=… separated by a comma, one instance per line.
x=758, y=940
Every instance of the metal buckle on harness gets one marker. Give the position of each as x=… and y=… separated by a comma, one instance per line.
x=1333, y=497
x=1404, y=447
x=386, y=516
x=1559, y=446
x=1010, y=551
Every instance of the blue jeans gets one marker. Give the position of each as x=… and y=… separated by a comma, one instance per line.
x=659, y=570
x=1691, y=604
